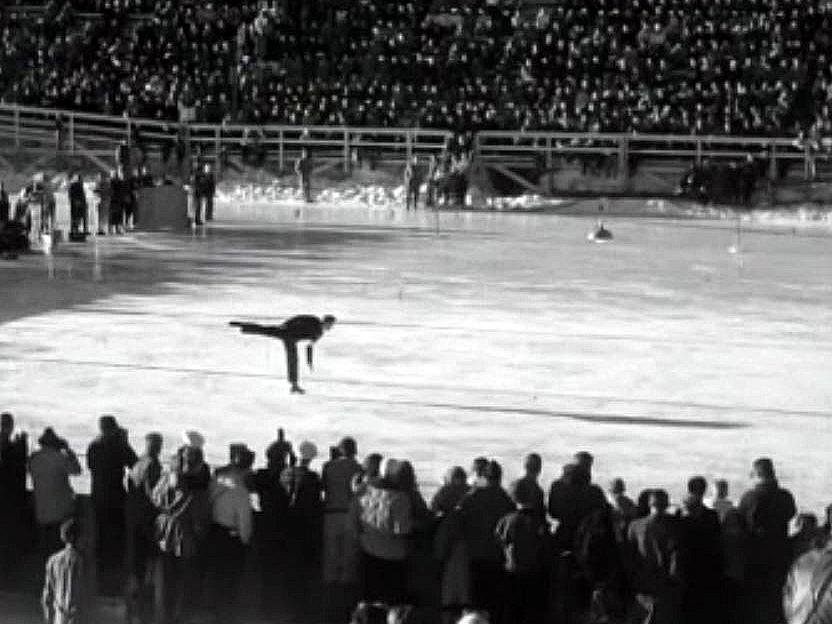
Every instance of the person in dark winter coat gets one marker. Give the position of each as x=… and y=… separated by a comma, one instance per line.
x=702, y=561
x=271, y=530
x=654, y=559
x=572, y=497
x=522, y=535
x=108, y=457
x=141, y=514
x=79, y=219
x=304, y=527
x=767, y=509
x=532, y=467
x=480, y=512
x=14, y=449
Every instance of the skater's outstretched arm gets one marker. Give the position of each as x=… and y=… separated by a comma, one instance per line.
x=275, y=331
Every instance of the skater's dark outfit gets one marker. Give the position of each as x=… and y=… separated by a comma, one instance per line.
x=292, y=331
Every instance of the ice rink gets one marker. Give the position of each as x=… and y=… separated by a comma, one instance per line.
x=471, y=334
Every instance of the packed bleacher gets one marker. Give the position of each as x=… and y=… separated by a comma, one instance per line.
x=741, y=67
x=348, y=536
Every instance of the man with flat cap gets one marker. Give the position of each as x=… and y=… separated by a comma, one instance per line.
x=303, y=327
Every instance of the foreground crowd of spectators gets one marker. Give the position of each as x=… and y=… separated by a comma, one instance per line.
x=358, y=540
x=748, y=67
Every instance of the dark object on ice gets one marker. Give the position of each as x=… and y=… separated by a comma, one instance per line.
x=600, y=233
x=78, y=237
x=292, y=331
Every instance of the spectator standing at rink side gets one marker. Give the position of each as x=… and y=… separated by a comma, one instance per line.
x=303, y=327
x=767, y=509
x=279, y=454
x=304, y=525
x=720, y=503
x=120, y=197
x=623, y=508
x=103, y=191
x=108, y=457
x=412, y=183
x=141, y=517
x=271, y=530
x=382, y=517
x=532, y=467
x=303, y=169
x=481, y=510
x=702, y=561
x=78, y=205
x=5, y=206
x=430, y=179
x=13, y=454
x=340, y=546
x=654, y=551
x=449, y=545
x=231, y=531
x=66, y=595
x=181, y=526
x=205, y=188
x=523, y=536
x=50, y=468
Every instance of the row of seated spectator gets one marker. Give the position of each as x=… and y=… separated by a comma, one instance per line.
x=174, y=536
x=749, y=67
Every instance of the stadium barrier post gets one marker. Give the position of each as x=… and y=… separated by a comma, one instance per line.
x=346, y=150
x=72, y=134
x=548, y=154
x=772, y=165
x=807, y=161
x=280, y=151
x=217, y=150
x=17, y=127
x=698, y=151
x=623, y=157
x=409, y=143
x=127, y=130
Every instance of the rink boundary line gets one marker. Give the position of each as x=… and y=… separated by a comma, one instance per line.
x=715, y=407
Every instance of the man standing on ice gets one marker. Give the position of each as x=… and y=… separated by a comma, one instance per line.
x=303, y=327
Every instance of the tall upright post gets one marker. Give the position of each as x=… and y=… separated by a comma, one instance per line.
x=217, y=149
x=17, y=127
x=409, y=144
x=346, y=150
x=72, y=134
x=623, y=157
x=281, y=151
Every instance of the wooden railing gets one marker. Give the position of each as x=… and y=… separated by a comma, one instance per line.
x=98, y=135
x=506, y=146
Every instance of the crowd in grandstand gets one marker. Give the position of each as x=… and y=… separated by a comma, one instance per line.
x=177, y=538
x=752, y=67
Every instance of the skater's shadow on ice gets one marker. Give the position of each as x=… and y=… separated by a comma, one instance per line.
x=593, y=417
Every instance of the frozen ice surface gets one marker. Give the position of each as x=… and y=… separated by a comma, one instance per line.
x=459, y=335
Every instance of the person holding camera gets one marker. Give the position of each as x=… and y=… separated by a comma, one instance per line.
x=50, y=468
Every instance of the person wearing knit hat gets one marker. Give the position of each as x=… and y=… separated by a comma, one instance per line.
x=767, y=509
